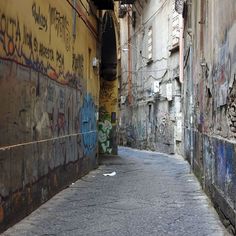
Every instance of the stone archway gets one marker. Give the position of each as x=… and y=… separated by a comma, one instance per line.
x=108, y=88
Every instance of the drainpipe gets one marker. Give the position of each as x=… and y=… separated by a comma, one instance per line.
x=181, y=50
x=74, y=19
x=191, y=89
x=129, y=60
x=191, y=107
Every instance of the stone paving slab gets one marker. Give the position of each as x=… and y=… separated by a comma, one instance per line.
x=151, y=194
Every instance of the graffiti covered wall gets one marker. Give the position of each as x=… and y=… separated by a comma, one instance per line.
x=107, y=117
x=108, y=100
x=48, y=115
x=210, y=83
x=149, y=98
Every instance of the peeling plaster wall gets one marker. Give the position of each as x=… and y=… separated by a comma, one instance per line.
x=210, y=81
x=153, y=119
x=49, y=102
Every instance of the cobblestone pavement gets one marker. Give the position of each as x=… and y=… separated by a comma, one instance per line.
x=151, y=194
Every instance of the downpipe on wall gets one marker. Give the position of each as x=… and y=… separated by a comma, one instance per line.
x=191, y=108
x=191, y=97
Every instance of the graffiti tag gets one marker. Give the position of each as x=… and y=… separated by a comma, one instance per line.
x=39, y=18
x=88, y=125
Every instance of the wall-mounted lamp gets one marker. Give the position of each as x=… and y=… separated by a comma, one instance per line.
x=95, y=62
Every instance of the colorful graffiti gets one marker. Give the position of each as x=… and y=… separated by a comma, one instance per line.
x=88, y=125
x=23, y=47
x=43, y=96
x=225, y=177
x=104, y=132
x=20, y=43
x=104, y=136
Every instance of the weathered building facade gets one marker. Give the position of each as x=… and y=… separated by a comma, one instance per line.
x=53, y=65
x=209, y=92
x=108, y=109
x=150, y=88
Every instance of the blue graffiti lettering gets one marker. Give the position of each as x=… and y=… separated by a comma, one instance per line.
x=88, y=125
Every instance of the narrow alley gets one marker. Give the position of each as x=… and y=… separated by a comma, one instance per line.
x=85, y=84
x=149, y=194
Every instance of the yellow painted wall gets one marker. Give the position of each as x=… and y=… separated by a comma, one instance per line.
x=109, y=95
x=43, y=37
x=42, y=31
x=49, y=100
